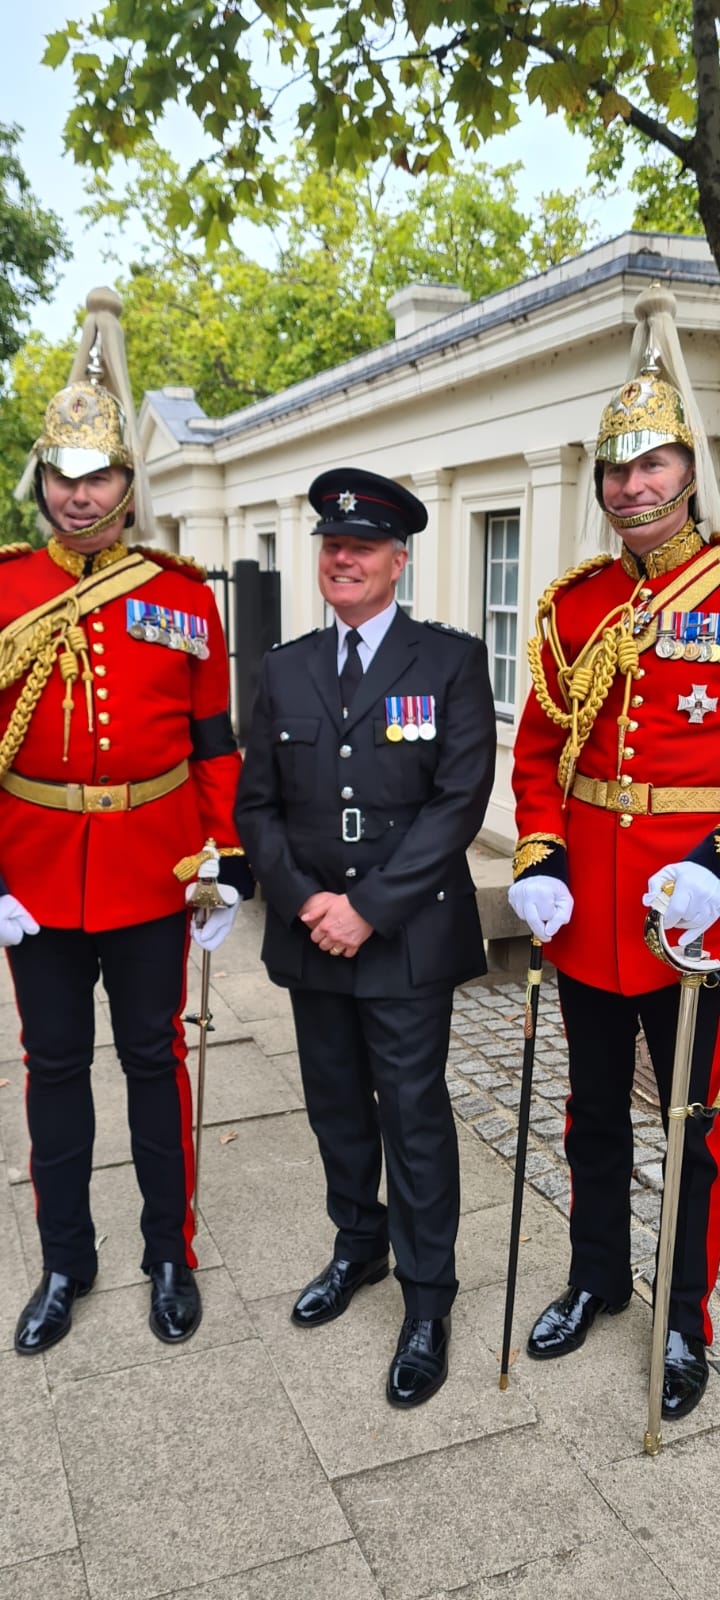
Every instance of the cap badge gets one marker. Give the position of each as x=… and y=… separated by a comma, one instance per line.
x=346, y=501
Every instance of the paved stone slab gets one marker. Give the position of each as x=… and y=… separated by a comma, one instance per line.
x=321, y=1575
x=450, y=1518
x=337, y=1374
x=484, y=1181
x=264, y=1203
x=275, y=1036
x=110, y=1329
x=36, y=1514
x=484, y=1237
x=193, y=1447
x=59, y=1577
x=250, y=995
x=241, y=1082
x=666, y=1504
x=116, y=1205
x=13, y=1274
x=591, y=1571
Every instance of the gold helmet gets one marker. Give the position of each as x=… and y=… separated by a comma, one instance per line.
x=645, y=413
x=84, y=430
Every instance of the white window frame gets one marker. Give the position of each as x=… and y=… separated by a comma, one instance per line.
x=501, y=614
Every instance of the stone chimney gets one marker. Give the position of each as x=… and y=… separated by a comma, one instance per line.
x=420, y=303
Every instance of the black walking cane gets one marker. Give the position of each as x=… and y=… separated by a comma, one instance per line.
x=531, y=1007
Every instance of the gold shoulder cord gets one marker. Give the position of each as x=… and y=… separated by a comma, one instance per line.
x=584, y=683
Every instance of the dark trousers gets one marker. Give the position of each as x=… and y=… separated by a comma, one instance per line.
x=374, y=1076
x=143, y=971
x=602, y=1029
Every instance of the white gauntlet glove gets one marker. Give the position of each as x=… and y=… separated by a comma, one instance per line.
x=694, y=903
x=15, y=921
x=544, y=903
x=209, y=928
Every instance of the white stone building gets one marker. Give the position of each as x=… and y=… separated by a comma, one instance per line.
x=488, y=411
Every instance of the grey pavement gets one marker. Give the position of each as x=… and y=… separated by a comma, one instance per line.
x=261, y=1461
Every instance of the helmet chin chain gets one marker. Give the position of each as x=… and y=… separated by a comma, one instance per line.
x=641, y=519
x=94, y=527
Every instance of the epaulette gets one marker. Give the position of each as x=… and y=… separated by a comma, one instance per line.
x=19, y=548
x=586, y=569
x=282, y=644
x=172, y=562
x=447, y=627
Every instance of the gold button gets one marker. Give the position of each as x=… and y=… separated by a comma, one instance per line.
x=102, y=694
x=626, y=822
x=645, y=594
x=98, y=648
x=640, y=673
x=104, y=717
x=626, y=781
x=99, y=627
x=633, y=727
x=99, y=673
x=637, y=700
x=104, y=744
x=628, y=753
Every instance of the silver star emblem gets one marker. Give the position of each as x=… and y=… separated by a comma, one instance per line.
x=346, y=501
x=697, y=703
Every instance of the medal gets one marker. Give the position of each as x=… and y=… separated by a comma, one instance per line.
x=393, y=731
x=427, y=729
x=410, y=730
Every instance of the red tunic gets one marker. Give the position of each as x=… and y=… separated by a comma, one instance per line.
x=153, y=706
x=608, y=864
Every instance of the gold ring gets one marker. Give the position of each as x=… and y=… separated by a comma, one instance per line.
x=334, y=950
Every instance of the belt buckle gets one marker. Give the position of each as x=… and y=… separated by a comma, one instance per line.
x=351, y=824
x=632, y=800
x=106, y=797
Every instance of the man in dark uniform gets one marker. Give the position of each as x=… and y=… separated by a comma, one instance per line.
x=116, y=759
x=368, y=770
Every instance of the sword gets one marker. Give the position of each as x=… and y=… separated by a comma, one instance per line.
x=206, y=894
x=694, y=965
x=531, y=1007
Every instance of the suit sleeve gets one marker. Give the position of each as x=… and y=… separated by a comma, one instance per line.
x=260, y=818
x=388, y=896
x=215, y=763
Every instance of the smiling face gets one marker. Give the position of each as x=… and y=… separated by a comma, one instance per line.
x=649, y=480
x=76, y=503
x=358, y=576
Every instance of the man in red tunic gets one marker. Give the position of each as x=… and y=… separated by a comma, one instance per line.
x=616, y=763
x=116, y=759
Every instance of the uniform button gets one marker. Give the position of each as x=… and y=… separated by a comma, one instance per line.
x=637, y=700
x=104, y=744
x=104, y=716
x=105, y=779
x=351, y=872
x=633, y=727
x=345, y=751
x=626, y=822
x=102, y=694
x=284, y=737
x=100, y=672
x=440, y=894
x=628, y=753
x=640, y=672
x=645, y=594
x=98, y=648
x=346, y=793
x=625, y=781
x=98, y=627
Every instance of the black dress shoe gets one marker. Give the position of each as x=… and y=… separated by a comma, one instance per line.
x=686, y=1374
x=565, y=1323
x=47, y=1317
x=420, y=1364
x=175, y=1304
x=330, y=1294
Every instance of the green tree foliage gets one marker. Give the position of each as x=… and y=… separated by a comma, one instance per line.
x=405, y=79
x=32, y=245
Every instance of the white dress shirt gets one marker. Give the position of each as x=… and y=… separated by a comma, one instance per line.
x=371, y=634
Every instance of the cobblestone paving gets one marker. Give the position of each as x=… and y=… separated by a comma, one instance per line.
x=484, y=1075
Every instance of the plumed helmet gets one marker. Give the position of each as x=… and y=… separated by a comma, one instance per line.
x=84, y=430
x=647, y=412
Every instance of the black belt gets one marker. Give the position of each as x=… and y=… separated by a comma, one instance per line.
x=352, y=824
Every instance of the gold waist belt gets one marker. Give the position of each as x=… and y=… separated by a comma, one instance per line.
x=642, y=799
x=94, y=797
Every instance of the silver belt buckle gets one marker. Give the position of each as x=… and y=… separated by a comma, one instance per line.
x=351, y=822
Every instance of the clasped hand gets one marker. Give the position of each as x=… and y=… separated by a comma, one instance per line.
x=334, y=925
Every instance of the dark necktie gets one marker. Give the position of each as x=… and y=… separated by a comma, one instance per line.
x=352, y=671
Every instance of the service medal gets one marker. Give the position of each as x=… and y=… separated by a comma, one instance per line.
x=665, y=648
x=410, y=730
x=427, y=728
x=692, y=651
x=393, y=714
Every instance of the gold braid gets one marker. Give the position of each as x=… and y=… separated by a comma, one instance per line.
x=585, y=683
x=39, y=655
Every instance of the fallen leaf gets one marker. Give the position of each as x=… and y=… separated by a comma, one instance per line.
x=227, y=1138
x=523, y=1238
x=4, y=1083
x=219, y=975
x=512, y=1358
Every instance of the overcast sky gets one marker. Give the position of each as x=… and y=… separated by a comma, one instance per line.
x=38, y=99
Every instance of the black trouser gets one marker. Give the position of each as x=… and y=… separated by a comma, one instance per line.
x=350, y=1052
x=143, y=970
x=602, y=1029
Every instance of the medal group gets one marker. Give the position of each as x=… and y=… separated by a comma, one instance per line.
x=410, y=717
x=176, y=629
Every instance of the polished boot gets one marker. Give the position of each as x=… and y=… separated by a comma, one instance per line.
x=686, y=1374
x=330, y=1294
x=420, y=1364
x=47, y=1317
x=565, y=1323
x=175, y=1304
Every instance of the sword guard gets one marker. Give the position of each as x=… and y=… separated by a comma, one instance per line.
x=202, y=1022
